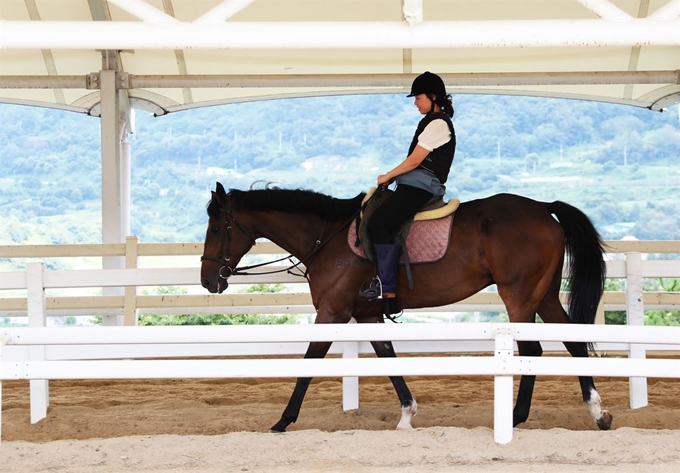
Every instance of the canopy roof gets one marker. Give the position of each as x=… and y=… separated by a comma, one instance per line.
x=179, y=54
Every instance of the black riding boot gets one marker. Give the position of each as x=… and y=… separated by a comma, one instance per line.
x=384, y=285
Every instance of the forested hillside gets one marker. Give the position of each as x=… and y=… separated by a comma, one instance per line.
x=619, y=164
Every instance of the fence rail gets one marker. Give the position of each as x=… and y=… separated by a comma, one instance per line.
x=125, y=308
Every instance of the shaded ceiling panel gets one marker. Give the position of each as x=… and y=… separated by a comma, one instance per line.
x=69, y=62
x=21, y=63
x=149, y=62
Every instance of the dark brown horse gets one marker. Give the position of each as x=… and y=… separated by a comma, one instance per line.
x=507, y=240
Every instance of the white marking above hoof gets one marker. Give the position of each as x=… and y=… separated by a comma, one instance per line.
x=407, y=414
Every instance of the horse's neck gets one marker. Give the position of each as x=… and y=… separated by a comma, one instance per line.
x=295, y=233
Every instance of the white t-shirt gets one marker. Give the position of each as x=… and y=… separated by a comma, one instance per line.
x=435, y=134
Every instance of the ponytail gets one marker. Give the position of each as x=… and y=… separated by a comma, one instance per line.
x=445, y=103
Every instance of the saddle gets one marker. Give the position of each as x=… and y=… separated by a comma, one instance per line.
x=423, y=239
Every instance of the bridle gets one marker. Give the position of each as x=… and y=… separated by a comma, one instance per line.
x=226, y=240
x=227, y=270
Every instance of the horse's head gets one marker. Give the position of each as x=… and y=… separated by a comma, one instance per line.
x=226, y=241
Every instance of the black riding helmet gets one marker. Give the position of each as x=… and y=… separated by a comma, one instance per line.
x=428, y=83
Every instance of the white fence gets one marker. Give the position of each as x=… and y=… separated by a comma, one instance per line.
x=503, y=365
x=39, y=354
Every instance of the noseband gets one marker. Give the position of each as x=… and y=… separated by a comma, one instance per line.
x=226, y=270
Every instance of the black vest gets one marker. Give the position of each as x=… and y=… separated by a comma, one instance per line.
x=439, y=160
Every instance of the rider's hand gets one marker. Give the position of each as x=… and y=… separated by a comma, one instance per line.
x=383, y=179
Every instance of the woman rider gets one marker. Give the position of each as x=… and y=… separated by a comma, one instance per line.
x=419, y=177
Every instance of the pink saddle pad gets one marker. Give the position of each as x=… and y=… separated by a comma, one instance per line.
x=426, y=242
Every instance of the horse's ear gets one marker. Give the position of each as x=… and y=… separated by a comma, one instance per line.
x=220, y=190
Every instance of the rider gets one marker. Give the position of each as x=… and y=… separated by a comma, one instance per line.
x=419, y=177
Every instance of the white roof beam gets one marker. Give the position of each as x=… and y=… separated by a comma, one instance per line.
x=222, y=12
x=338, y=35
x=667, y=12
x=353, y=80
x=144, y=11
x=606, y=10
x=404, y=80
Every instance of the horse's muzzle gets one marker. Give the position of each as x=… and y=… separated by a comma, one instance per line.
x=205, y=282
x=218, y=287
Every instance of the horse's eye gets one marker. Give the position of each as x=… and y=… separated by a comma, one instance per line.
x=215, y=229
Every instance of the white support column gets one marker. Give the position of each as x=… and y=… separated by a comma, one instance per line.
x=130, y=310
x=636, y=316
x=125, y=184
x=502, y=398
x=37, y=317
x=350, y=384
x=111, y=176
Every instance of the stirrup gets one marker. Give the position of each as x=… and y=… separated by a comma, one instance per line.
x=371, y=289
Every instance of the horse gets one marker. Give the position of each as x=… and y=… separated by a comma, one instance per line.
x=515, y=242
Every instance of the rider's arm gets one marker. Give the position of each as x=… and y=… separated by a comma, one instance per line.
x=408, y=164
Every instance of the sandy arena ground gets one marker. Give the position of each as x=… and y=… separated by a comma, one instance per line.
x=220, y=425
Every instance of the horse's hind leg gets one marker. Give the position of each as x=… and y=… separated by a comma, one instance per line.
x=409, y=407
x=521, y=303
x=292, y=410
x=551, y=311
x=526, y=384
x=591, y=397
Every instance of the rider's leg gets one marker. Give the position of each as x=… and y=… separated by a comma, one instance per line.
x=402, y=204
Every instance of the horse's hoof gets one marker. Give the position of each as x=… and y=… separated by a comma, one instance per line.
x=272, y=431
x=605, y=422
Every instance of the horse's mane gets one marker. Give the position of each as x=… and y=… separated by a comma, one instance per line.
x=294, y=201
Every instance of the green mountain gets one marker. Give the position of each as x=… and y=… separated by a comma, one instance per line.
x=619, y=164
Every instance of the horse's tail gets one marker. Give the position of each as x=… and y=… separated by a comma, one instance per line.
x=587, y=267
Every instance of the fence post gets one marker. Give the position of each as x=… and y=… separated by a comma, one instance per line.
x=502, y=398
x=130, y=304
x=350, y=384
x=599, y=314
x=635, y=312
x=37, y=317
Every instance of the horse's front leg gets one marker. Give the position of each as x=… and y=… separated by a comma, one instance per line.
x=409, y=406
x=292, y=410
